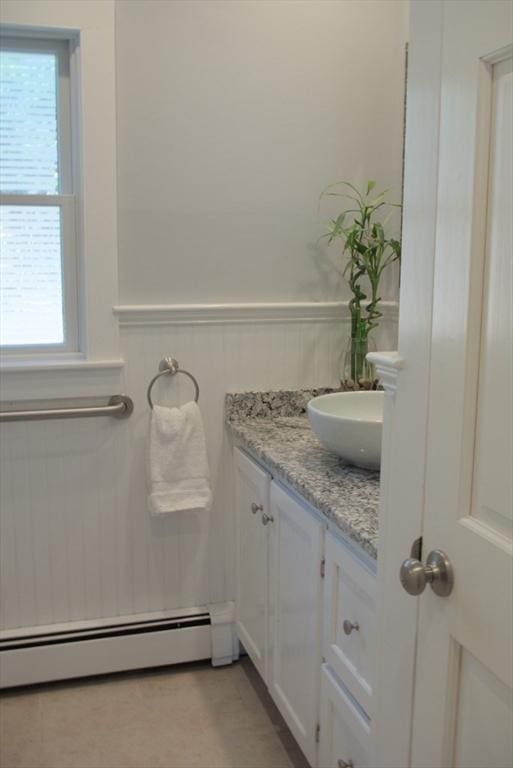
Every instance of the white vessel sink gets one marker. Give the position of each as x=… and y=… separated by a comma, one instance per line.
x=350, y=425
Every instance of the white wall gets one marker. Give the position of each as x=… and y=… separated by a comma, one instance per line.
x=76, y=539
x=232, y=117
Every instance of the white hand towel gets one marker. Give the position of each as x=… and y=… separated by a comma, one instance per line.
x=178, y=464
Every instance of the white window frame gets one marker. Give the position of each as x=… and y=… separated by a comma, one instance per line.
x=65, y=199
x=89, y=28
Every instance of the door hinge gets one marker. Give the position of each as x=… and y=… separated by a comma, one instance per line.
x=317, y=733
x=323, y=567
x=416, y=549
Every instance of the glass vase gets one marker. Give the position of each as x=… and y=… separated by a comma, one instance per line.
x=357, y=373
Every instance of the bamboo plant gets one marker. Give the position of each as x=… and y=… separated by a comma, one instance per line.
x=367, y=251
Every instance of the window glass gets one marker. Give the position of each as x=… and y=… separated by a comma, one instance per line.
x=29, y=157
x=31, y=291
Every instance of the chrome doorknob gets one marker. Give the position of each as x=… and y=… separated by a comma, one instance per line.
x=437, y=572
x=267, y=518
x=256, y=508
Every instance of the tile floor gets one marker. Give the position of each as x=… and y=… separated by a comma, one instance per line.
x=190, y=716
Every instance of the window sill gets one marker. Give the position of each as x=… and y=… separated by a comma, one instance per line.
x=18, y=365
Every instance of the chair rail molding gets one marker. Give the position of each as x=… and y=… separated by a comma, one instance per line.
x=261, y=312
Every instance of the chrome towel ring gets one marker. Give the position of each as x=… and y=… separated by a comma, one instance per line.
x=169, y=366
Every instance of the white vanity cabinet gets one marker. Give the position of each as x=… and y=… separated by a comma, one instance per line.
x=305, y=615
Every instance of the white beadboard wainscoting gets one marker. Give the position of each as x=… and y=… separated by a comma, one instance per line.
x=77, y=542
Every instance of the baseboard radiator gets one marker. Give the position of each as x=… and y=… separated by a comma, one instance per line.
x=64, y=652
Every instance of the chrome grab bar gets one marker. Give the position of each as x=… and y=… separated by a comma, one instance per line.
x=170, y=367
x=119, y=406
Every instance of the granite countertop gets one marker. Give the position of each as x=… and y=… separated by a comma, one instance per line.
x=274, y=428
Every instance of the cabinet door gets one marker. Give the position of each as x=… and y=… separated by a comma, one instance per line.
x=252, y=500
x=296, y=543
x=345, y=731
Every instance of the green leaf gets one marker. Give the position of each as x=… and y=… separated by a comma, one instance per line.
x=365, y=248
x=342, y=184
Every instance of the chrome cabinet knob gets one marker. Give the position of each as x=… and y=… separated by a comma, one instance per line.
x=437, y=572
x=267, y=518
x=256, y=508
x=343, y=764
x=348, y=626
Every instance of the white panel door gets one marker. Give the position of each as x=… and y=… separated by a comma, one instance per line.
x=296, y=540
x=463, y=685
x=251, y=604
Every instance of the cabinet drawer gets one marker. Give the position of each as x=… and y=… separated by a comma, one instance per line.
x=345, y=731
x=349, y=621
